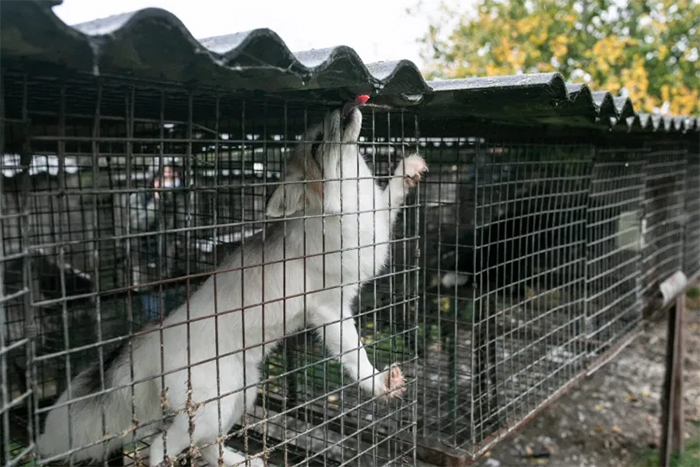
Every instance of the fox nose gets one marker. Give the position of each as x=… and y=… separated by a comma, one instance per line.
x=349, y=106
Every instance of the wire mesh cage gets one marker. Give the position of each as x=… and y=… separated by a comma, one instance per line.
x=219, y=276
x=504, y=277
x=613, y=253
x=128, y=206
x=15, y=343
x=691, y=244
x=665, y=218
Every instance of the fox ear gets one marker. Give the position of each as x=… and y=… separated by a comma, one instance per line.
x=303, y=189
x=286, y=200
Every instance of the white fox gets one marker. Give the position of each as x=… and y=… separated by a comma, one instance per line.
x=306, y=279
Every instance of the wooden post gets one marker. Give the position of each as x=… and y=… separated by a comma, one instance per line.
x=678, y=435
x=672, y=422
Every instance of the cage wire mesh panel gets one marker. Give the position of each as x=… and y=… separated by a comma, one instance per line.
x=128, y=199
x=664, y=218
x=613, y=250
x=39, y=275
x=504, y=276
x=15, y=337
x=691, y=253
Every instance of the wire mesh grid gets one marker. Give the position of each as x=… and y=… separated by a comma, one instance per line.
x=613, y=259
x=691, y=253
x=505, y=235
x=15, y=338
x=115, y=219
x=664, y=218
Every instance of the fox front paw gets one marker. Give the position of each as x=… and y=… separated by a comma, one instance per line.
x=391, y=384
x=412, y=168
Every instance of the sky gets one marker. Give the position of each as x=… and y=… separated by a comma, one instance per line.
x=377, y=29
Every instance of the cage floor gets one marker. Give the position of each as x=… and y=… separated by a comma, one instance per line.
x=342, y=426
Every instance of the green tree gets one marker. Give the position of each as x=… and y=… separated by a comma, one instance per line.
x=648, y=50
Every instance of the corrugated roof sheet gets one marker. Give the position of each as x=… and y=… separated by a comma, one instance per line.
x=153, y=44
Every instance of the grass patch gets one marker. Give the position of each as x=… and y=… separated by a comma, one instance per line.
x=693, y=296
x=15, y=450
x=690, y=457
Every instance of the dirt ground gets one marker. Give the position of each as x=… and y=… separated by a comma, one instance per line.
x=612, y=418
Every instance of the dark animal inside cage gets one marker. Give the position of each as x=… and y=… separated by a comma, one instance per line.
x=505, y=241
x=514, y=248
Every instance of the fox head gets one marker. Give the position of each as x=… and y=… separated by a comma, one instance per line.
x=316, y=158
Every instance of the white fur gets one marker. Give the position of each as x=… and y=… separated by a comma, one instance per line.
x=286, y=274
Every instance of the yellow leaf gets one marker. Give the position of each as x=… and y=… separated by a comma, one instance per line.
x=445, y=304
x=559, y=46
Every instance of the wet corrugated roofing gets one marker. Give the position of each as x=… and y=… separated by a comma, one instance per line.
x=153, y=44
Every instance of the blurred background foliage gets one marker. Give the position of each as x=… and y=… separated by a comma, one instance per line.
x=646, y=50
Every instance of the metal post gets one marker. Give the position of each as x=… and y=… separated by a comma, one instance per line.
x=672, y=423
